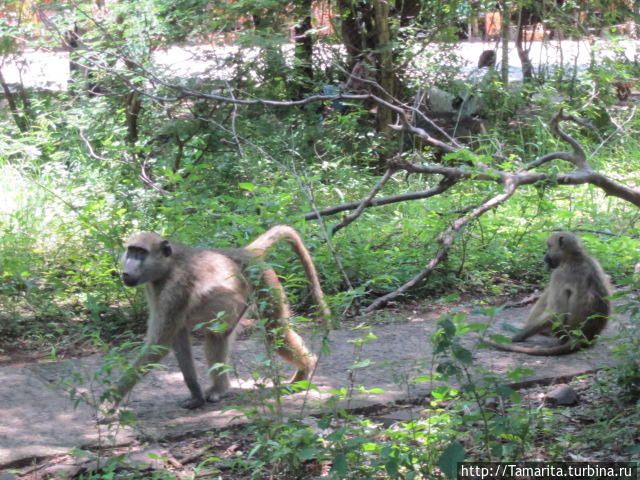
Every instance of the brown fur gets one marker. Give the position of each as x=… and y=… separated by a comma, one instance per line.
x=186, y=286
x=623, y=88
x=574, y=300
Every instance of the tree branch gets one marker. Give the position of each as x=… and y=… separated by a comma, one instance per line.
x=577, y=157
x=364, y=202
x=444, y=185
x=445, y=239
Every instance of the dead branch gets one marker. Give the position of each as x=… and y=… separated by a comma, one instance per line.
x=445, y=184
x=577, y=157
x=511, y=181
x=364, y=202
x=445, y=239
x=481, y=172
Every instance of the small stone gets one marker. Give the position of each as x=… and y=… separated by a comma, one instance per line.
x=562, y=395
x=61, y=470
x=405, y=415
x=143, y=459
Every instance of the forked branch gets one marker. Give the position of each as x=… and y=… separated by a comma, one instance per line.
x=445, y=239
x=583, y=173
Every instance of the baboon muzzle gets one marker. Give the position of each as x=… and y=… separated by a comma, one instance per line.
x=128, y=280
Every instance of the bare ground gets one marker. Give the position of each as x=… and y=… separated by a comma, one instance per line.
x=38, y=420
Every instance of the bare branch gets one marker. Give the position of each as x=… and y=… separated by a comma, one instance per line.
x=446, y=239
x=619, y=129
x=577, y=157
x=92, y=154
x=444, y=185
x=364, y=203
x=407, y=108
x=480, y=173
x=419, y=132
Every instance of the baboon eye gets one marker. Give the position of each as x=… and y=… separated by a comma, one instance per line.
x=165, y=246
x=137, y=252
x=560, y=240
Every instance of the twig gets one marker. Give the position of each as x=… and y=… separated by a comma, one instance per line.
x=619, y=129
x=577, y=157
x=364, y=203
x=377, y=202
x=92, y=153
x=599, y=232
x=446, y=239
x=234, y=115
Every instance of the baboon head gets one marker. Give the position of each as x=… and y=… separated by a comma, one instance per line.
x=561, y=247
x=145, y=259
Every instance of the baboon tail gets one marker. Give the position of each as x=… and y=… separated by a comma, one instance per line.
x=562, y=349
x=265, y=241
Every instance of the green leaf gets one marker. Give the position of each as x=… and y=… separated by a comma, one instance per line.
x=462, y=354
x=307, y=453
x=449, y=459
x=340, y=465
x=499, y=338
x=422, y=379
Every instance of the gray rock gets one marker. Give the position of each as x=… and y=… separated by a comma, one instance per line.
x=562, y=395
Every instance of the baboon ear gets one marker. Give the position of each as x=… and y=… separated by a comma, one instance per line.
x=165, y=246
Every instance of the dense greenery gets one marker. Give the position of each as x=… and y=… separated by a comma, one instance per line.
x=134, y=144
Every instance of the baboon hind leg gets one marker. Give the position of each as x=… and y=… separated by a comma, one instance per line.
x=288, y=344
x=182, y=351
x=217, y=347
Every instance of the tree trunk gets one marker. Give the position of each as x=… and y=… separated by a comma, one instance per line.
x=353, y=37
x=523, y=53
x=504, y=34
x=18, y=117
x=386, y=76
x=304, y=50
x=134, y=105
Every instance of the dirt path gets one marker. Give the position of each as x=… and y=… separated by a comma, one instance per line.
x=38, y=420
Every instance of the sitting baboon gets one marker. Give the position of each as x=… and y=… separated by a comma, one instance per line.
x=487, y=59
x=623, y=88
x=189, y=287
x=574, y=307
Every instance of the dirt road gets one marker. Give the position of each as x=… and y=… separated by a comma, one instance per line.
x=38, y=419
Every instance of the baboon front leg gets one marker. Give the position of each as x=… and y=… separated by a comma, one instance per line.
x=541, y=324
x=182, y=351
x=160, y=335
x=537, y=321
x=151, y=353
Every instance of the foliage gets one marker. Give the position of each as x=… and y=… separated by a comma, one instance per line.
x=344, y=445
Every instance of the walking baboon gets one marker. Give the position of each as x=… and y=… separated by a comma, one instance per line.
x=189, y=287
x=574, y=307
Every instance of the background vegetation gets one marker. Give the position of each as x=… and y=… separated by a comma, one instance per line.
x=133, y=143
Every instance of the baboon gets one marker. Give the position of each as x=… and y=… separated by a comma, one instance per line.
x=575, y=300
x=623, y=88
x=188, y=287
x=487, y=59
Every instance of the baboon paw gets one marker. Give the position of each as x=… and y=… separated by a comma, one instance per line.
x=192, y=403
x=214, y=397
x=300, y=375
